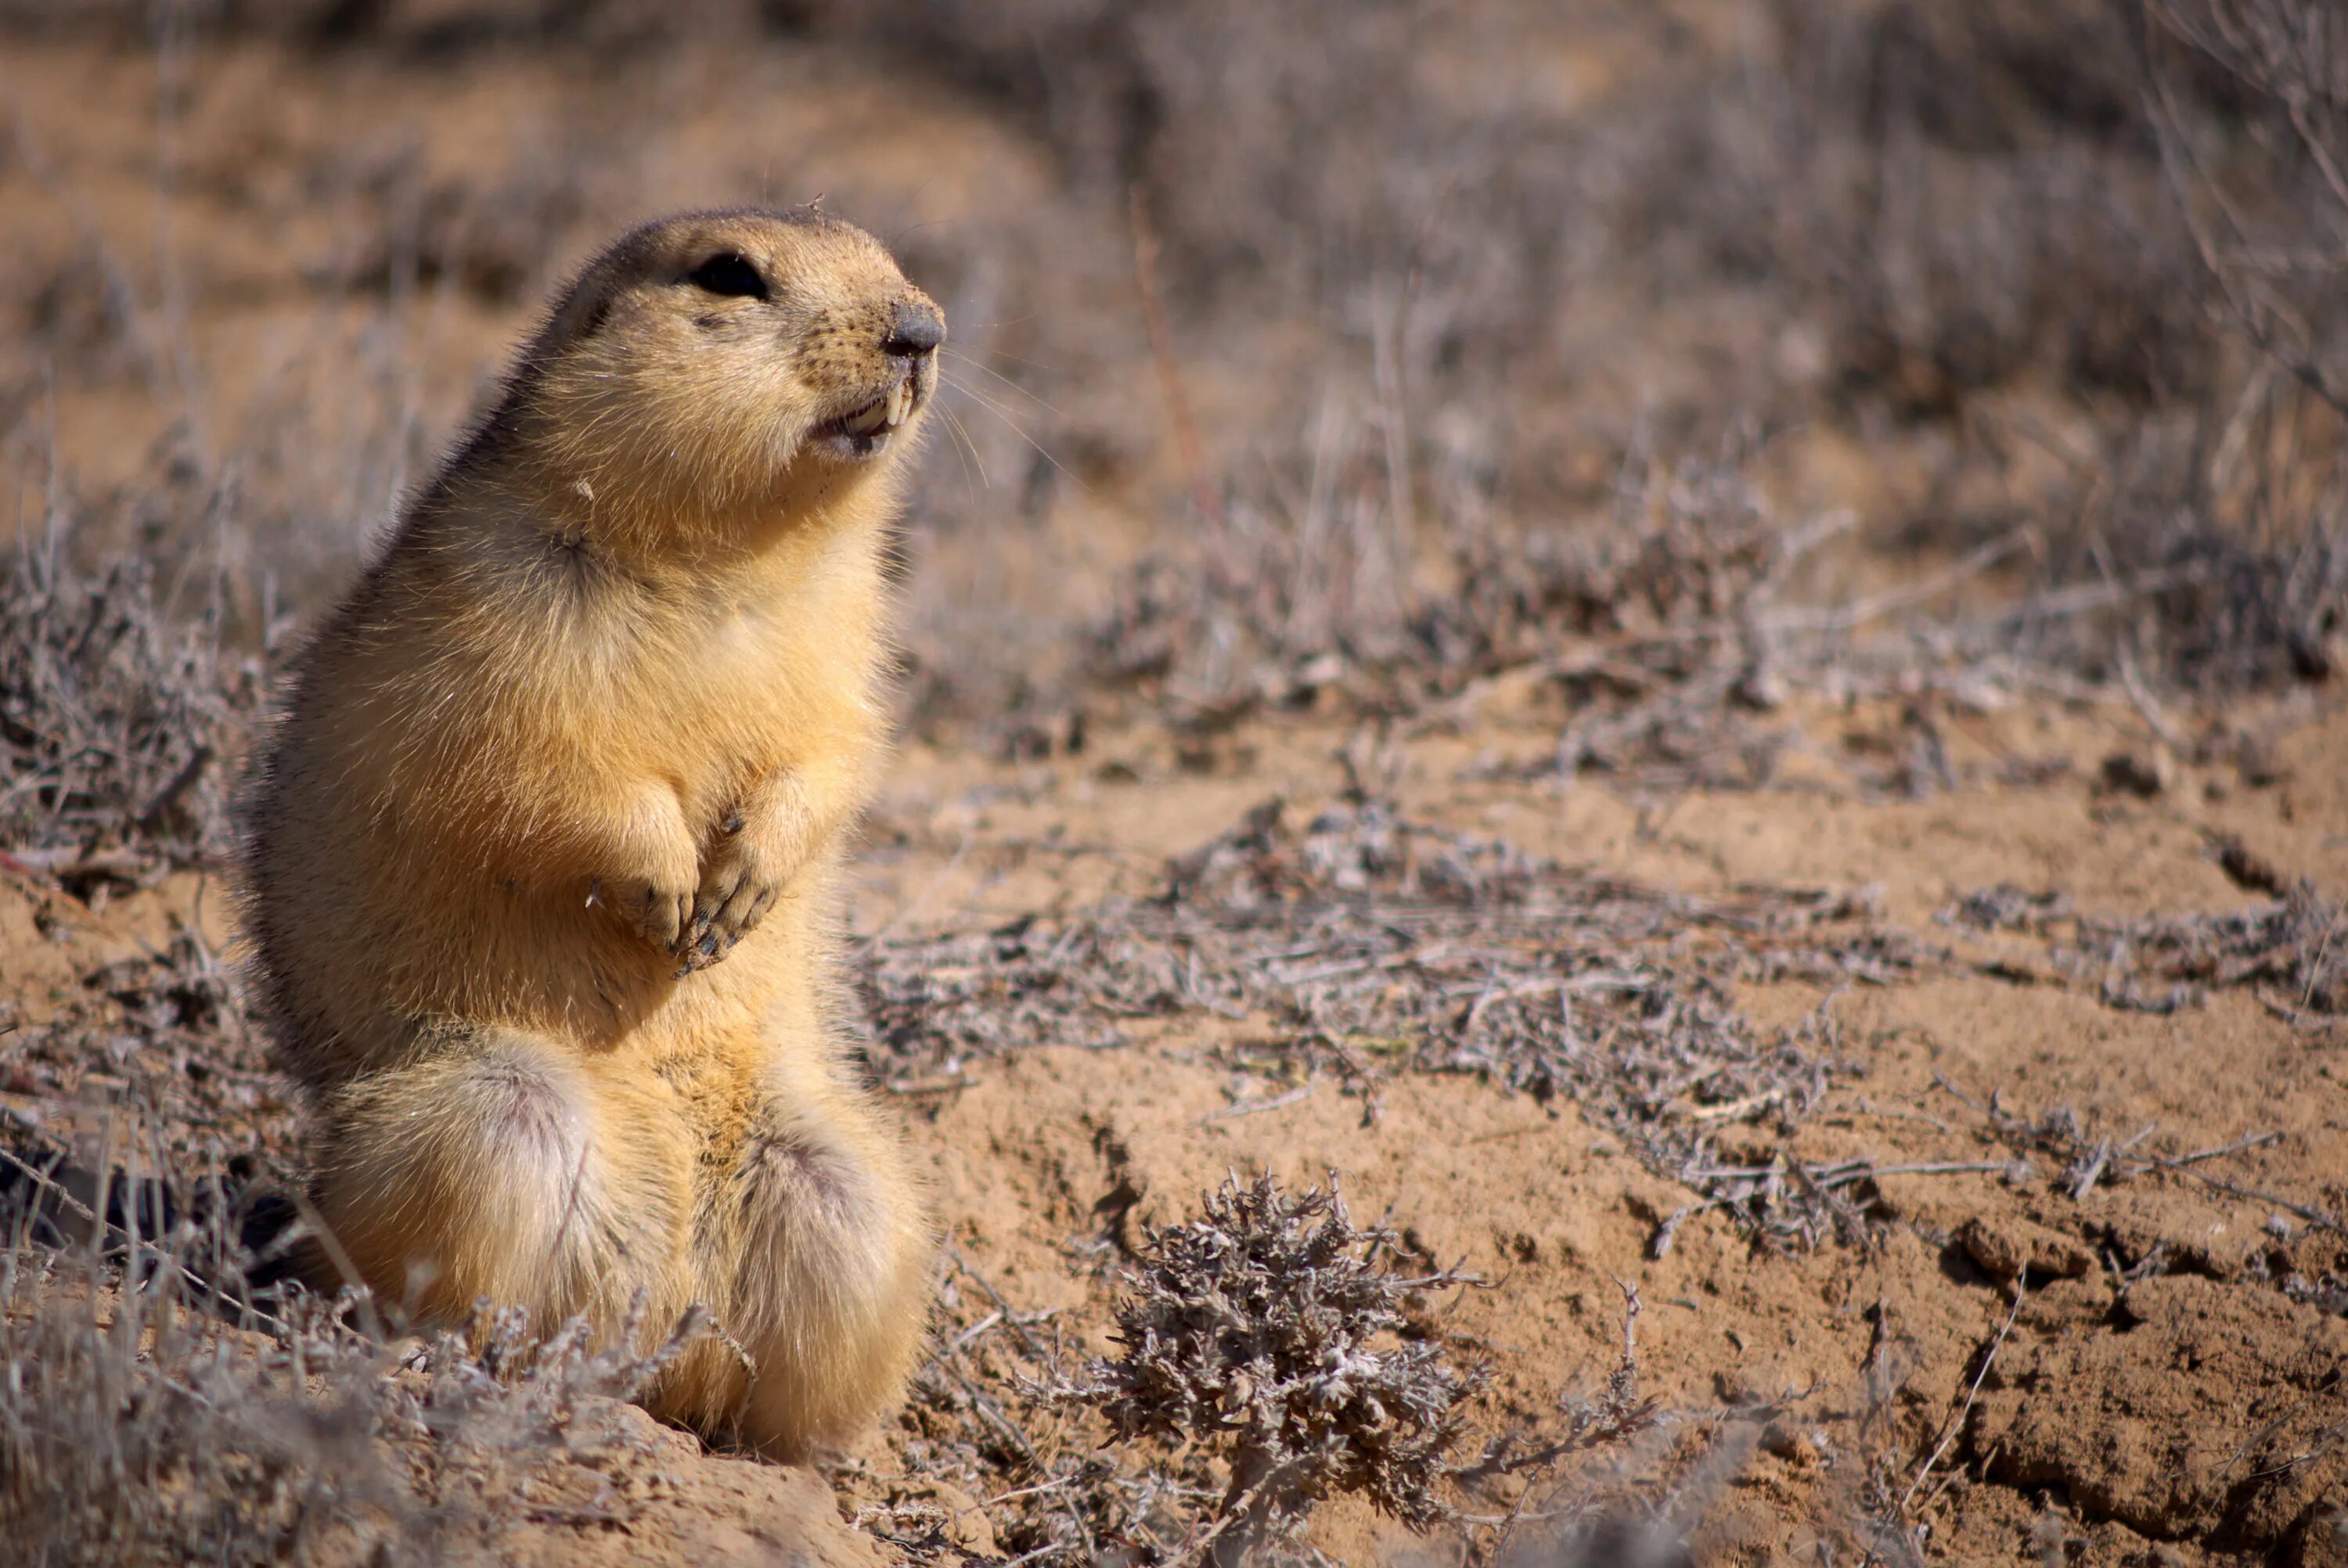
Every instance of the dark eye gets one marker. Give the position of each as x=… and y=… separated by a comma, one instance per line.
x=728, y=272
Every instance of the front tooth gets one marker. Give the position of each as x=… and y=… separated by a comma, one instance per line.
x=899, y=396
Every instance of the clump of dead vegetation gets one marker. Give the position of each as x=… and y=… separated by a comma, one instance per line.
x=2085, y=1159
x=1358, y=943
x=1661, y=633
x=118, y=719
x=123, y=720
x=2289, y=952
x=1964, y=201
x=2263, y=194
x=2137, y=209
x=160, y=1412
x=1271, y=1353
x=163, y=1030
x=1268, y=1327
x=983, y=1420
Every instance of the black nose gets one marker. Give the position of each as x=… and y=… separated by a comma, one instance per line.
x=914, y=330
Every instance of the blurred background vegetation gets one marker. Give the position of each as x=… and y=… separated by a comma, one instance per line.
x=1289, y=341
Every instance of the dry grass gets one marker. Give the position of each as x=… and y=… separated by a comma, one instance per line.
x=1658, y=631
x=2288, y=952
x=120, y=718
x=1360, y=945
x=164, y=1031
x=156, y=1411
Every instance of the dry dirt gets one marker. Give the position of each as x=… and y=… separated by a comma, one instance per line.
x=2131, y=1408
x=2171, y=1382
x=2042, y=1330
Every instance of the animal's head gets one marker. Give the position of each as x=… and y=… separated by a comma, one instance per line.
x=715, y=362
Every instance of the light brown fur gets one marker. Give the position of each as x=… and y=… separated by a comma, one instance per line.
x=544, y=854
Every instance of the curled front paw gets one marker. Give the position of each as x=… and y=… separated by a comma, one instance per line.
x=738, y=885
x=659, y=907
x=645, y=861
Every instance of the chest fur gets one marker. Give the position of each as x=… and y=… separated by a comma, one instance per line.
x=525, y=680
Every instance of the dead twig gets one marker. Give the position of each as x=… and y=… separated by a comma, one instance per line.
x=1985, y=1358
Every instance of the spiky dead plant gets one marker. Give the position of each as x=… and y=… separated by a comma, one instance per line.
x=1274, y=1329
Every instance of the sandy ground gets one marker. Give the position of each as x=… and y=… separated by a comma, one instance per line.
x=2167, y=1380
x=2083, y=1429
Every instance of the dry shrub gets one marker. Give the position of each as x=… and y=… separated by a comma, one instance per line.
x=1971, y=196
x=982, y=1417
x=2261, y=502
x=2135, y=209
x=2265, y=193
x=1362, y=944
x=1268, y=1327
x=1957, y=203
x=2288, y=952
x=1321, y=579
x=119, y=719
x=1661, y=627
x=133, y=1432
x=1271, y=1355
x=2238, y=524
x=165, y=1030
x=1314, y=171
x=154, y=1414
x=2141, y=208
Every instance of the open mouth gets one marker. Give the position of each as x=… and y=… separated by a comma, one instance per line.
x=865, y=432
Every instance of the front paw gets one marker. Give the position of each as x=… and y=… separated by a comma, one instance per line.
x=738, y=885
x=658, y=906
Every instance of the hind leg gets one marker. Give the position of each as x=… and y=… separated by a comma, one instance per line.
x=494, y=1166
x=819, y=1254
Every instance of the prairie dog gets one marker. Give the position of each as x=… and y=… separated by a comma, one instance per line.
x=542, y=855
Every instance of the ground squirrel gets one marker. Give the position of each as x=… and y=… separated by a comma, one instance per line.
x=544, y=850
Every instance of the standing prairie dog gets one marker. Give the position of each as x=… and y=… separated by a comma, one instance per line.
x=544, y=853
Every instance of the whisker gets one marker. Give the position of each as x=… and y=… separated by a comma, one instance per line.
x=974, y=327
x=1020, y=430
x=896, y=236
x=1006, y=381
x=1019, y=359
x=961, y=434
